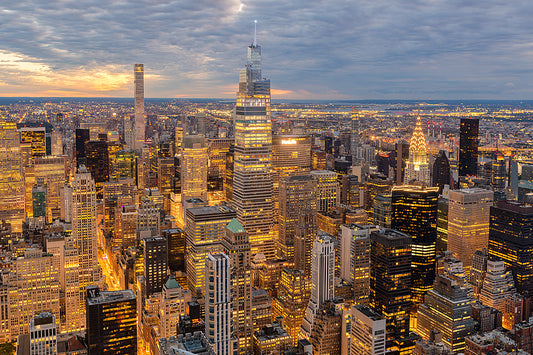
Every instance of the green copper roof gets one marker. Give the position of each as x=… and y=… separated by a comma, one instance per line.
x=171, y=282
x=234, y=226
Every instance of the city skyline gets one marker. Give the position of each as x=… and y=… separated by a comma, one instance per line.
x=400, y=51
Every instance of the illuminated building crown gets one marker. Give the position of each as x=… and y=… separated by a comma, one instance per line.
x=417, y=146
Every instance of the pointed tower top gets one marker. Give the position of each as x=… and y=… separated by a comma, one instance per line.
x=255, y=34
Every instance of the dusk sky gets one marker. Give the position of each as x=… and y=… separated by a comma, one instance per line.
x=371, y=49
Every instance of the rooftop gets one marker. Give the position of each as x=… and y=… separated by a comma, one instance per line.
x=235, y=227
x=101, y=297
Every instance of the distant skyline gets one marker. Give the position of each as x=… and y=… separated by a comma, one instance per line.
x=344, y=50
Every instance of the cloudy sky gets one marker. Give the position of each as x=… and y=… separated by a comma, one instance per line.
x=355, y=49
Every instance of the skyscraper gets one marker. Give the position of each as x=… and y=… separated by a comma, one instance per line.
x=236, y=245
x=468, y=223
x=354, y=143
x=193, y=168
x=447, y=308
x=252, y=177
x=138, y=70
x=218, y=307
x=12, y=200
x=368, y=331
x=414, y=212
x=441, y=171
x=155, y=264
x=468, y=146
x=390, y=284
x=293, y=295
x=328, y=190
x=84, y=226
x=205, y=228
x=297, y=195
x=322, y=279
x=511, y=240
x=111, y=322
x=417, y=167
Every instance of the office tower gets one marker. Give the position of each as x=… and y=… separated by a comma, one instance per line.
x=383, y=210
x=390, y=284
x=354, y=143
x=351, y=191
x=148, y=218
x=354, y=259
x=217, y=152
x=139, y=125
x=204, y=231
x=111, y=321
x=12, y=200
x=513, y=177
x=478, y=271
x=236, y=246
x=82, y=137
x=468, y=146
x=510, y=239
x=172, y=305
x=53, y=170
x=155, y=264
x=417, y=168
x=228, y=178
x=291, y=155
x=514, y=310
x=376, y=184
x=97, y=161
x=36, y=138
x=498, y=172
x=33, y=286
x=218, y=307
x=176, y=249
x=441, y=171
x=84, y=226
x=252, y=176
x=442, y=223
x=306, y=231
x=43, y=334
x=447, y=308
x=318, y=160
x=497, y=285
x=368, y=331
x=322, y=279
x=293, y=295
x=328, y=190
x=468, y=222
x=327, y=330
x=271, y=339
x=414, y=212
x=125, y=230
x=297, y=195
x=261, y=309
x=115, y=194
x=125, y=165
x=193, y=168
x=402, y=154
x=39, y=199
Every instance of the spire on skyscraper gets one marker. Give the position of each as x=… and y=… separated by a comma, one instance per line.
x=255, y=34
x=417, y=166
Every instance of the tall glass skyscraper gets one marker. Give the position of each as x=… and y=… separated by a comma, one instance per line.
x=139, y=105
x=252, y=181
x=468, y=146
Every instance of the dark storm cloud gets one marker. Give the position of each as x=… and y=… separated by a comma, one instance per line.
x=345, y=49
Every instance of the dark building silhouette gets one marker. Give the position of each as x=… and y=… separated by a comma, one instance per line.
x=155, y=264
x=511, y=239
x=111, y=322
x=468, y=146
x=390, y=284
x=441, y=171
x=402, y=155
x=82, y=137
x=414, y=212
